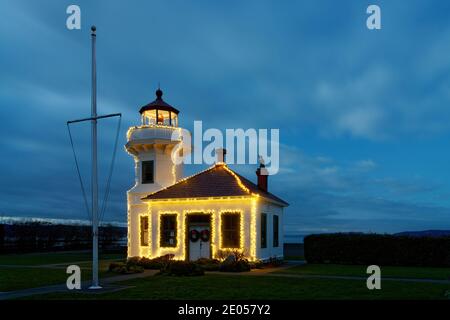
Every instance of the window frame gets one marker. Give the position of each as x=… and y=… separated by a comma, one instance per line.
x=223, y=230
x=164, y=240
x=263, y=231
x=275, y=231
x=144, y=238
x=143, y=163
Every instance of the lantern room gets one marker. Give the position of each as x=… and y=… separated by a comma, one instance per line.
x=159, y=113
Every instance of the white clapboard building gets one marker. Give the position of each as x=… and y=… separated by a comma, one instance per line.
x=207, y=215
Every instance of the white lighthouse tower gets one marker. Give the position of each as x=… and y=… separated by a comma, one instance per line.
x=151, y=145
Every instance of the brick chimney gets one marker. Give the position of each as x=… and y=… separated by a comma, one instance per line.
x=262, y=175
x=220, y=155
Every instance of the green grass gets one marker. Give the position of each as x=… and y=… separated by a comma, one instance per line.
x=243, y=287
x=22, y=278
x=294, y=258
x=52, y=258
x=360, y=271
x=224, y=286
x=16, y=278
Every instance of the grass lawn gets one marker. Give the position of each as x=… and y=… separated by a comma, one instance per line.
x=22, y=278
x=387, y=271
x=222, y=286
x=294, y=258
x=16, y=278
x=259, y=287
x=52, y=257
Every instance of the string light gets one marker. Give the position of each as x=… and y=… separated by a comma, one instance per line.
x=174, y=165
x=158, y=126
x=180, y=181
x=253, y=233
x=145, y=251
x=221, y=164
x=180, y=250
x=241, y=231
x=128, y=226
x=161, y=251
x=209, y=212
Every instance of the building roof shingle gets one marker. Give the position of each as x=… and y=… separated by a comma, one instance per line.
x=217, y=181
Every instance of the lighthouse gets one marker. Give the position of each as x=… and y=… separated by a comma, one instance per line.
x=211, y=214
x=152, y=145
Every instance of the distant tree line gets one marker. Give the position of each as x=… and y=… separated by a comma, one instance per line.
x=43, y=236
x=379, y=249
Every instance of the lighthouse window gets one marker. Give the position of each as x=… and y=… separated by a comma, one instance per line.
x=160, y=119
x=144, y=231
x=147, y=171
x=168, y=230
x=230, y=230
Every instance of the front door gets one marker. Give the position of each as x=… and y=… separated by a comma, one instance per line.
x=199, y=241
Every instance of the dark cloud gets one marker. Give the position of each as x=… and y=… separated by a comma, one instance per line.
x=351, y=104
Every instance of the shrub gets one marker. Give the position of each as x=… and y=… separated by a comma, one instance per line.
x=223, y=254
x=182, y=268
x=146, y=263
x=274, y=262
x=208, y=264
x=124, y=268
x=133, y=261
x=114, y=265
x=365, y=249
x=257, y=265
x=235, y=266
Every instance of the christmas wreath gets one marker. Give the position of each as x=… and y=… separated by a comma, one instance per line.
x=204, y=235
x=194, y=235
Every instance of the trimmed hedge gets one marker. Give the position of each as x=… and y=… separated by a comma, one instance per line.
x=365, y=249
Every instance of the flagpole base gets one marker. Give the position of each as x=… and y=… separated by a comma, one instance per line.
x=95, y=288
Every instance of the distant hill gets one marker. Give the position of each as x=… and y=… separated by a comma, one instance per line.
x=425, y=233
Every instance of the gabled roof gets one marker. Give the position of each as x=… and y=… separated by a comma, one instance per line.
x=217, y=181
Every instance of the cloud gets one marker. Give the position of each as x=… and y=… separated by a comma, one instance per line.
x=341, y=95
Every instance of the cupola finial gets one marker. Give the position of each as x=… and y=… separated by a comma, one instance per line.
x=159, y=93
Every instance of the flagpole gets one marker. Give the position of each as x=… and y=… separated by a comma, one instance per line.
x=93, y=119
x=95, y=283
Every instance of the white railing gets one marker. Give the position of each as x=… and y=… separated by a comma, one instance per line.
x=150, y=132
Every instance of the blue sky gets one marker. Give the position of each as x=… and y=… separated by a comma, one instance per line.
x=363, y=115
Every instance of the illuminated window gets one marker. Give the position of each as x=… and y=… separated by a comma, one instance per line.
x=231, y=223
x=263, y=230
x=275, y=231
x=147, y=171
x=168, y=230
x=144, y=231
x=160, y=119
